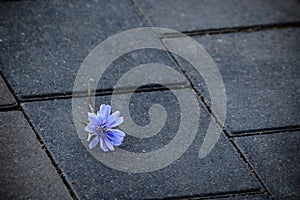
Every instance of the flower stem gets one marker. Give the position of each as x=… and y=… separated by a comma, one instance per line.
x=84, y=123
x=90, y=97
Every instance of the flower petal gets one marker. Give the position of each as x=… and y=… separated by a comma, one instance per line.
x=91, y=127
x=94, y=142
x=105, y=110
x=90, y=135
x=100, y=118
x=116, y=132
x=108, y=143
x=103, y=144
x=92, y=117
x=103, y=113
x=115, y=140
x=115, y=136
x=114, y=120
x=118, y=122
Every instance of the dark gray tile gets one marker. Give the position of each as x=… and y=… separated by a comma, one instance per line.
x=44, y=43
x=211, y=14
x=276, y=160
x=7, y=99
x=260, y=72
x=221, y=171
x=25, y=170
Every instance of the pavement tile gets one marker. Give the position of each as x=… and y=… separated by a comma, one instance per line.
x=25, y=170
x=44, y=43
x=7, y=99
x=260, y=72
x=221, y=171
x=211, y=14
x=276, y=160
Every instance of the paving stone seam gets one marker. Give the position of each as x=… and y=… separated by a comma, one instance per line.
x=49, y=155
x=44, y=148
x=264, y=131
x=202, y=99
x=248, y=164
x=13, y=107
x=224, y=131
x=141, y=14
x=217, y=195
x=58, y=170
x=69, y=95
x=236, y=195
x=238, y=29
x=223, y=30
x=8, y=107
x=272, y=165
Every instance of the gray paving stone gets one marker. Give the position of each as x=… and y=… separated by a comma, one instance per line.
x=197, y=15
x=25, y=170
x=7, y=99
x=221, y=171
x=276, y=159
x=44, y=43
x=261, y=73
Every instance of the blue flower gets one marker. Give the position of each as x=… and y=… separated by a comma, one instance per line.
x=101, y=125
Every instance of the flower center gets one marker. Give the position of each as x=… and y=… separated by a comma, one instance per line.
x=100, y=129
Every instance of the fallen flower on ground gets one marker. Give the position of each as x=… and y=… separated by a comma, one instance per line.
x=100, y=128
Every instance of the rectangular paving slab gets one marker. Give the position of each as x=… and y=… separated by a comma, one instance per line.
x=43, y=44
x=222, y=171
x=7, y=100
x=25, y=170
x=260, y=71
x=194, y=15
x=276, y=160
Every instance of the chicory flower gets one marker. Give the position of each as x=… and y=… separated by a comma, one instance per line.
x=101, y=127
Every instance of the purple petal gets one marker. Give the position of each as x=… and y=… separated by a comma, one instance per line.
x=116, y=132
x=114, y=120
x=105, y=110
x=118, y=122
x=103, y=113
x=115, y=136
x=91, y=128
x=100, y=118
x=102, y=144
x=115, y=140
x=94, y=142
x=92, y=117
x=108, y=143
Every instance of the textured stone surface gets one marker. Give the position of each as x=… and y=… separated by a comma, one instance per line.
x=261, y=76
x=211, y=14
x=7, y=100
x=276, y=160
x=44, y=43
x=221, y=171
x=25, y=170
